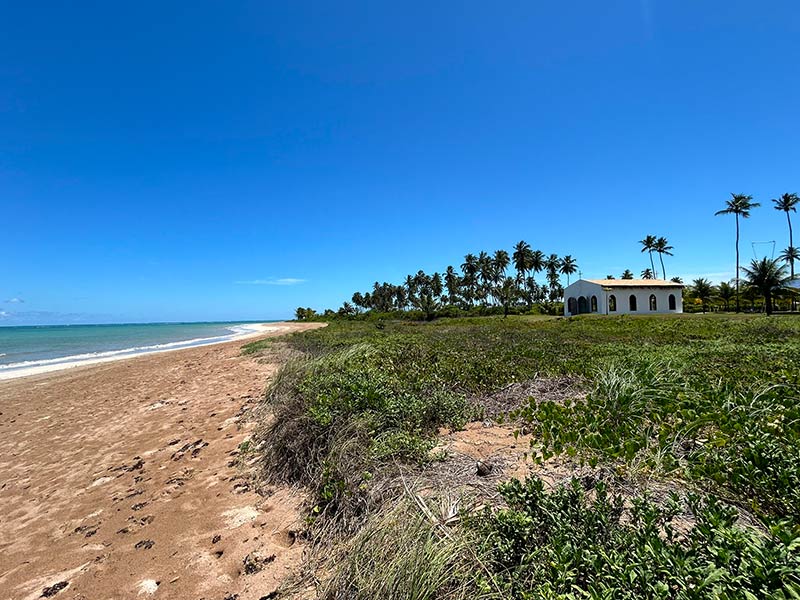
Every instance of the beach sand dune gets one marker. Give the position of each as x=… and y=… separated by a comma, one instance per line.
x=123, y=480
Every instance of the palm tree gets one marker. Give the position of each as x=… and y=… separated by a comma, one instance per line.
x=739, y=205
x=702, y=290
x=358, y=300
x=677, y=280
x=647, y=274
x=726, y=291
x=453, y=284
x=662, y=247
x=522, y=257
x=411, y=288
x=787, y=203
x=552, y=265
x=537, y=262
x=507, y=292
x=790, y=255
x=485, y=275
x=470, y=270
x=626, y=274
x=648, y=245
x=568, y=266
x=768, y=276
x=500, y=263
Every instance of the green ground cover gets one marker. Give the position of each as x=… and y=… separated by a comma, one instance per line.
x=710, y=402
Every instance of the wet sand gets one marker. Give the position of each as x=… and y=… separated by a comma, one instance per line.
x=123, y=480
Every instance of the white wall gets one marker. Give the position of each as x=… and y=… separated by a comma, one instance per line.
x=587, y=289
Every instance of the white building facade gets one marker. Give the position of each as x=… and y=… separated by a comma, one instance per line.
x=623, y=297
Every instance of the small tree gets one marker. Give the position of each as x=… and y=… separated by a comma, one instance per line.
x=627, y=274
x=702, y=290
x=726, y=291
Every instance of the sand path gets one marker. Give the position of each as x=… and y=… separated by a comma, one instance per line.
x=123, y=480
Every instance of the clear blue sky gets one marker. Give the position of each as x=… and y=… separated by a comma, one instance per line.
x=157, y=156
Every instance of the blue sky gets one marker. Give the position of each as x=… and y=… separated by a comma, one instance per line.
x=233, y=160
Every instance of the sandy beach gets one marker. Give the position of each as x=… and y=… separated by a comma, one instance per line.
x=123, y=480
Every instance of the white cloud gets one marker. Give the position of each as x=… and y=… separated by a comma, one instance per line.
x=15, y=301
x=4, y=314
x=272, y=281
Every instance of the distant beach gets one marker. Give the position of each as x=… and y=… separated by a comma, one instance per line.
x=26, y=351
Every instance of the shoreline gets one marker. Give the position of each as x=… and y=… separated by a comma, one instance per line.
x=256, y=329
x=130, y=480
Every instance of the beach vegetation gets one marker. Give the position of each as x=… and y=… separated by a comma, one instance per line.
x=705, y=408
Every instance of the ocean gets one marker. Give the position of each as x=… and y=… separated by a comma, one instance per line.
x=35, y=346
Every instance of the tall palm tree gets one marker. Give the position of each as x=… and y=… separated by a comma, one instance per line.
x=702, y=290
x=411, y=287
x=485, y=275
x=648, y=245
x=500, y=262
x=568, y=266
x=453, y=284
x=787, y=204
x=522, y=257
x=739, y=205
x=537, y=262
x=552, y=265
x=662, y=247
x=470, y=270
x=768, y=276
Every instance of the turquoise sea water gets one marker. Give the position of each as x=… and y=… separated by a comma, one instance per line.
x=22, y=347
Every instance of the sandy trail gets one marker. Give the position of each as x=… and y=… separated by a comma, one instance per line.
x=121, y=480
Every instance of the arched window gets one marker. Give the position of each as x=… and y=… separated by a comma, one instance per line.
x=583, y=305
x=612, y=303
x=632, y=303
x=594, y=303
x=653, y=303
x=672, y=301
x=572, y=306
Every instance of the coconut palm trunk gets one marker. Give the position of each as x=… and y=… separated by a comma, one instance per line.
x=791, y=244
x=737, y=262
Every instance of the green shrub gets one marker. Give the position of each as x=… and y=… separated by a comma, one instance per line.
x=570, y=544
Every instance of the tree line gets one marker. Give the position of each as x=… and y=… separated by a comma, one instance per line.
x=483, y=283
